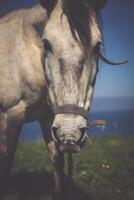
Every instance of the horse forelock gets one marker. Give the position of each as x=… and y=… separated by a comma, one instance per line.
x=79, y=19
x=81, y=15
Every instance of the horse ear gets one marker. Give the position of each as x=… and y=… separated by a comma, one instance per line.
x=99, y=4
x=45, y=3
x=48, y=4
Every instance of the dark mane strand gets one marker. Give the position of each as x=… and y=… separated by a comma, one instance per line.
x=79, y=14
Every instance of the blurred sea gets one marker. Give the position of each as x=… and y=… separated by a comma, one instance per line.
x=119, y=123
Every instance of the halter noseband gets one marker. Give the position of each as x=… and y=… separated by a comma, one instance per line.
x=70, y=108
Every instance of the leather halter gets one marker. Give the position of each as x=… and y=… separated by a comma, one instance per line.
x=70, y=108
x=67, y=108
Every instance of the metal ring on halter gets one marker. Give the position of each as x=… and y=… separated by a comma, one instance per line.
x=70, y=108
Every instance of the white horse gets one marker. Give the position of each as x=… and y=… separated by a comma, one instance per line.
x=48, y=64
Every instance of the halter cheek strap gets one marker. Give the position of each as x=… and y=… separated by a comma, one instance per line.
x=69, y=108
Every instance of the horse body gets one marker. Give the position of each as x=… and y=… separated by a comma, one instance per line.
x=41, y=53
x=22, y=80
x=21, y=73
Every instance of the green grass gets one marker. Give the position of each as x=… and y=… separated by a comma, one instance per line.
x=102, y=171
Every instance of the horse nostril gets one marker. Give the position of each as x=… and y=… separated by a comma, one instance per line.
x=54, y=133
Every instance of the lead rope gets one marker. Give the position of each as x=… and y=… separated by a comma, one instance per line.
x=70, y=165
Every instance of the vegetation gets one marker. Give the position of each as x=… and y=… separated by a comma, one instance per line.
x=102, y=171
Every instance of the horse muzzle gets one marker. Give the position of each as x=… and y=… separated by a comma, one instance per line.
x=69, y=142
x=69, y=147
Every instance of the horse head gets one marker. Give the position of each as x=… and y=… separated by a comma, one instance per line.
x=72, y=41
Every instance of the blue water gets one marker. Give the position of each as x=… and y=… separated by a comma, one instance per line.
x=31, y=132
x=119, y=123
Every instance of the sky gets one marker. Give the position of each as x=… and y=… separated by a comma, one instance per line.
x=118, y=32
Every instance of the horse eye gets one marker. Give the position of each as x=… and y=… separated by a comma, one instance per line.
x=47, y=46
